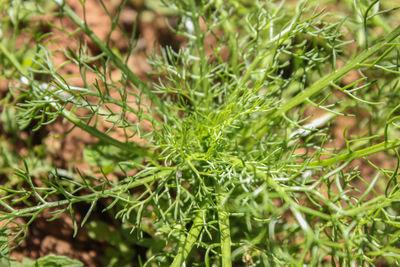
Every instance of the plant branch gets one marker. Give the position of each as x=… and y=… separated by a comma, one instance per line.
x=325, y=81
x=114, y=58
x=224, y=227
x=384, y=146
x=190, y=240
x=76, y=199
x=72, y=117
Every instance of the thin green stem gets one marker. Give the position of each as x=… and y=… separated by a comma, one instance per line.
x=10, y=56
x=384, y=146
x=87, y=198
x=377, y=20
x=231, y=37
x=191, y=238
x=325, y=81
x=200, y=45
x=74, y=119
x=114, y=58
x=262, y=54
x=124, y=106
x=132, y=147
x=224, y=228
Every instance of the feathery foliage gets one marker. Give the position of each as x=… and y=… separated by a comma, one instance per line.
x=234, y=168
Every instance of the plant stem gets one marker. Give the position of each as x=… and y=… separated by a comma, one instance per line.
x=123, y=105
x=155, y=100
x=203, y=81
x=73, y=118
x=191, y=238
x=324, y=82
x=224, y=228
x=384, y=146
x=12, y=59
x=131, y=147
x=88, y=198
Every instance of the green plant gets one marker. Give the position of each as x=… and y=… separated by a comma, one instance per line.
x=232, y=170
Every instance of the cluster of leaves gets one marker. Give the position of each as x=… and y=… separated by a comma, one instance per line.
x=232, y=169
